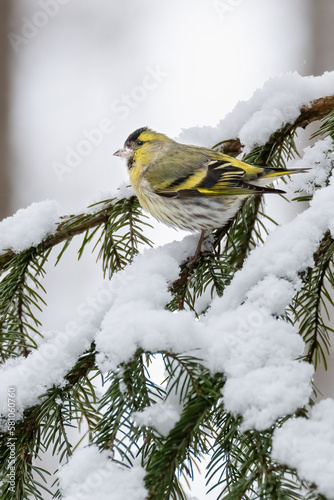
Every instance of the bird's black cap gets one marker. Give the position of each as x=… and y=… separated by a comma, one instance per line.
x=134, y=136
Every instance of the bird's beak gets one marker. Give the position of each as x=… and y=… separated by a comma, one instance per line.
x=124, y=153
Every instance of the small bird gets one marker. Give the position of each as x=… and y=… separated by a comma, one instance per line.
x=190, y=187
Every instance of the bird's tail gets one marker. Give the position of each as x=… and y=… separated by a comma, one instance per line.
x=272, y=173
x=279, y=172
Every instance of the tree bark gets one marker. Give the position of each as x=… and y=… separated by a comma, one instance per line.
x=322, y=20
x=5, y=164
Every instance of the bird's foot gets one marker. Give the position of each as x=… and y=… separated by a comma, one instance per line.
x=204, y=248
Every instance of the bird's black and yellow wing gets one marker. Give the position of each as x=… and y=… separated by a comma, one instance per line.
x=191, y=172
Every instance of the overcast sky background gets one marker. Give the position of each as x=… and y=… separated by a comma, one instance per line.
x=92, y=63
x=76, y=71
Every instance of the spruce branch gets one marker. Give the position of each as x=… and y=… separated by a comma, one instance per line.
x=44, y=425
x=241, y=465
x=20, y=300
x=64, y=232
x=128, y=391
x=313, y=301
x=185, y=442
x=126, y=209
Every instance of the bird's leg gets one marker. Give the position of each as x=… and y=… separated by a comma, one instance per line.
x=191, y=260
x=199, y=246
x=198, y=252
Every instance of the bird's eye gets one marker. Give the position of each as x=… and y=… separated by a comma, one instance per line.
x=140, y=143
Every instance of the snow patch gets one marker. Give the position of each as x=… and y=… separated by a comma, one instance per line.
x=162, y=415
x=319, y=159
x=90, y=473
x=308, y=446
x=29, y=226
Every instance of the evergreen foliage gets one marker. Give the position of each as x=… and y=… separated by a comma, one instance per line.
x=239, y=465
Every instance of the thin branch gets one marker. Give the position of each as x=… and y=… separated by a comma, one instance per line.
x=64, y=232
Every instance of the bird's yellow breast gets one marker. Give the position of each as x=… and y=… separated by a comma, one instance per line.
x=136, y=175
x=141, y=186
x=144, y=158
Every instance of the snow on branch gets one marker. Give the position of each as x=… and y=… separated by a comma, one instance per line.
x=39, y=225
x=91, y=474
x=308, y=446
x=28, y=227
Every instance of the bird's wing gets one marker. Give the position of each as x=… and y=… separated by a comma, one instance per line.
x=232, y=177
x=204, y=176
